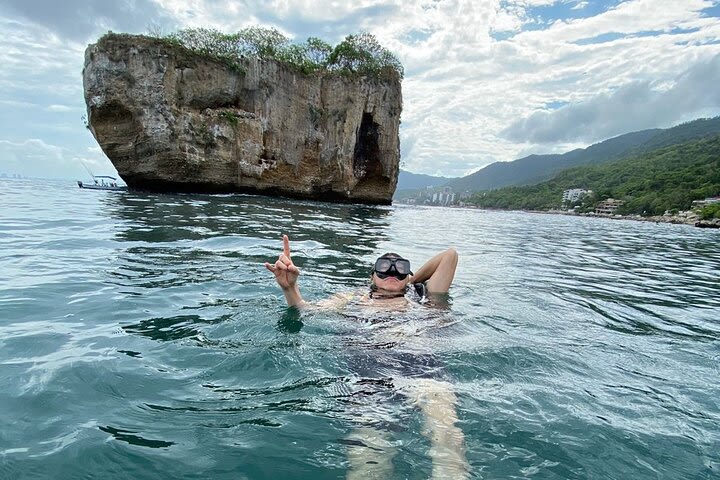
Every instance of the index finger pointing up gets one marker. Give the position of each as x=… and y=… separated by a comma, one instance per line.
x=286, y=246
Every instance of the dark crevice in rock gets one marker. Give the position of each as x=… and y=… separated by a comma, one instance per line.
x=213, y=102
x=367, y=167
x=366, y=159
x=247, y=100
x=111, y=118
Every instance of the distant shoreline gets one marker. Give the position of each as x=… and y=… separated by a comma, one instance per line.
x=683, y=218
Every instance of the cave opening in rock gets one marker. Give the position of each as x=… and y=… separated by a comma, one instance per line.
x=366, y=158
x=113, y=120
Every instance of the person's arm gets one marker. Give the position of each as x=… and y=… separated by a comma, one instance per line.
x=438, y=272
x=337, y=302
x=286, y=275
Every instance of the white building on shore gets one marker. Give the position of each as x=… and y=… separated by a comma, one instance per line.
x=445, y=197
x=707, y=201
x=574, y=195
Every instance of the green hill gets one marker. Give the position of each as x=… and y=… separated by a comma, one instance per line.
x=410, y=181
x=665, y=179
x=537, y=168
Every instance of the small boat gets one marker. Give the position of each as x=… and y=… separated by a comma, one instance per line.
x=102, y=182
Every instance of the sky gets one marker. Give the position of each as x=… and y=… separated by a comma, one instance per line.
x=485, y=80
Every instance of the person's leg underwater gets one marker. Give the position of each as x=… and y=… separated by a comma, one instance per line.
x=370, y=453
x=436, y=401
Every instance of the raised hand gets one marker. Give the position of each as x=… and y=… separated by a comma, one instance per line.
x=286, y=274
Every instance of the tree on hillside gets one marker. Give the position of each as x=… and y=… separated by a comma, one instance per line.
x=363, y=54
x=356, y=54
x=262, y=42
x=318, y=51
x=208, y=41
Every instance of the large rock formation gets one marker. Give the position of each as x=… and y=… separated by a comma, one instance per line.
x=172, y=120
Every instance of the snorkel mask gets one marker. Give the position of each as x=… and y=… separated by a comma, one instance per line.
x=392, y=265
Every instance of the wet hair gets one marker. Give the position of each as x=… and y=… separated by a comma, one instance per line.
x=390, y=255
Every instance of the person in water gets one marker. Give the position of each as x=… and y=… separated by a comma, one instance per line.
x=370, y=450
x=390, y=278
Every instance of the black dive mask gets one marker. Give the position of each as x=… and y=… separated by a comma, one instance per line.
x=392, y=267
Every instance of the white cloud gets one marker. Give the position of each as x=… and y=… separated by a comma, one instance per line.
x=31, y=157
x=17, y=104
x=630, y=17
x=82, y=20
x=29, y=149
x=36, y=158
x=474, y=98
x=633, y=106
x=59, y=108
x=478, y=73
x=510, y=19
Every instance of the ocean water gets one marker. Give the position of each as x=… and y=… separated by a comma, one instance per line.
x=141, y=337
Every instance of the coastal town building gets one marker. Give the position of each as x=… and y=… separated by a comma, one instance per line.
x=444, y=197
x=433, y=195
x=706, y=201
x=608, y=206
x=573, y=195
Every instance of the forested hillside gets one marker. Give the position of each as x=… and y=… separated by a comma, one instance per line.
x=668, y=178
x=537, y=168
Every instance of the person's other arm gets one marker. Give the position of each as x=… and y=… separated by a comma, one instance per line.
x=286, y=275
x=438, y=272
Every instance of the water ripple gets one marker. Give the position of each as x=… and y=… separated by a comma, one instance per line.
x=141, y=336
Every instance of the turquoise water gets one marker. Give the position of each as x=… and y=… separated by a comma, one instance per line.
x=141, y=337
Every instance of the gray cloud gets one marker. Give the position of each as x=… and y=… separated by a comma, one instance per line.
x=329, y=30
x=635, y=106
x=80, y=20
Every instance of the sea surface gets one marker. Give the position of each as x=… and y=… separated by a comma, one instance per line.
x=141, y=337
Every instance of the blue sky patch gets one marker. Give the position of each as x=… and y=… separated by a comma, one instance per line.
x=602, y=38
x=502, y=35
x=417, y=36
x=674, y=31
x=713, y=11
x=569, y=10
x=555, y=105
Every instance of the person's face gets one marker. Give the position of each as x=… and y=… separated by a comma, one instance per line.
x=391, y=273
x=391, y=284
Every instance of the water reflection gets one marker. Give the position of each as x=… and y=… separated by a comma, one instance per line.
x=130, y=437
x=334, y=240
x=172, y=328
x=180, y=252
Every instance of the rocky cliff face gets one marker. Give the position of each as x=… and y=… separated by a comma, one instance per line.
x=172, y=120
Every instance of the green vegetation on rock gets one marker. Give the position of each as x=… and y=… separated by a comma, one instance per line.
x=358, y=54
x=231, y=117
x=668, y=178
x=710, y=211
